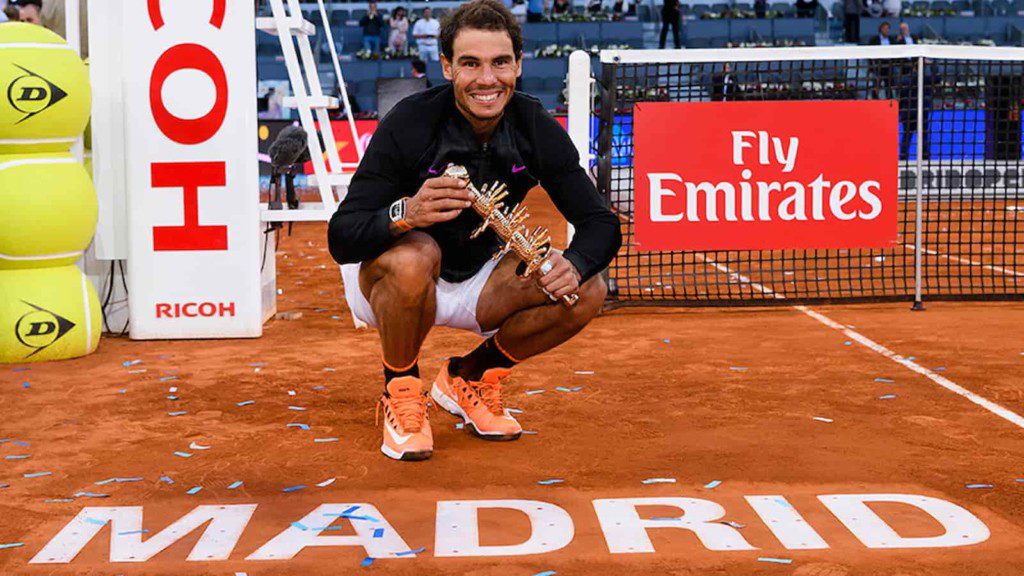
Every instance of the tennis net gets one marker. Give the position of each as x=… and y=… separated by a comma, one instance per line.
x=970, y=201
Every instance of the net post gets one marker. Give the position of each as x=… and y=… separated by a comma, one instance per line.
x=578, y=102
x=918, y=260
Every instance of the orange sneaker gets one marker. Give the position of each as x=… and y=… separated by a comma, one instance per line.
x=406, y=426
x=479, y=404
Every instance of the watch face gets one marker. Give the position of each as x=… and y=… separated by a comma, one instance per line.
x=397, y=211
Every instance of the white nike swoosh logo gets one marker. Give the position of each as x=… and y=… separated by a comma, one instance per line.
x=394, y=435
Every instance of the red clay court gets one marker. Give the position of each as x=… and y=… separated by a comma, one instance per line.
x=731, y=404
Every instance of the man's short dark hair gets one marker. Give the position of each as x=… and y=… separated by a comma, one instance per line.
x=36, y=3
x=419, y=66
x=480, y=15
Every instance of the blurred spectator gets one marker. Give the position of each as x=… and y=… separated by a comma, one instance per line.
x=29, y=11
x=425, y=31
x=519, y=11
x=399, y=39
x=760, y=8
x=908, y=112
x=621, y=7
x=562, y=7
x=419, y=70
x=881, y=69
x=340, y=113
x=882, y=38
x=723, y=85
x=535, y=11
x=670, y=16
x=892, y=8
x=875, y=9
x=372, y=24
x=806, y=8
x=852, y=10
x=905, y=37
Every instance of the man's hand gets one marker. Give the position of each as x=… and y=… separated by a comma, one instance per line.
x=562, y=279
x=438, y=200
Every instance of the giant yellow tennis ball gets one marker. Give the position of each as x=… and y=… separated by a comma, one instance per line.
x=45, y=97
x=47, y=314
x=49, y=208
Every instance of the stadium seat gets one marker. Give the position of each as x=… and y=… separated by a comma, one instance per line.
x=961, y=5
x=958, y=28
x=358, y=14
x=622, y=33
x=784, y=8
x=720, y=7
x=920, y=5
x=338, y=18
x=554, y=84
x=941, y=5
x=270, y=69
x=744, y=6
x=700, y=10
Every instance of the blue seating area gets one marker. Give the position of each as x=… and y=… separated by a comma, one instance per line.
x=1000, y=29
x=542, y=77
x=719, y=33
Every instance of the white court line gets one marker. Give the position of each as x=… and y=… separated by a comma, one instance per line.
x=946, y=383
x=1007, y=271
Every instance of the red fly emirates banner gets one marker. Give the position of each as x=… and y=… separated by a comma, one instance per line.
x=765, y=175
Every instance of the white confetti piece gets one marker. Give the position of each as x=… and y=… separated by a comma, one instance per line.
x=822, y=419
x=659, y=481
x=327, y=482
x=196, y=446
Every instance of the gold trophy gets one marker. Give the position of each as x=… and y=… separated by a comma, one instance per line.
x=509, y=224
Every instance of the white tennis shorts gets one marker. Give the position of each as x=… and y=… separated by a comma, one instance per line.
x=456, y=302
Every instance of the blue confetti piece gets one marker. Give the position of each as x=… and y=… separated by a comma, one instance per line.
x=783, y=502
x=194, y=491
x=5, y=485
x=168, y=378
x=939, y=369
x=5, y=441
x=848, y=343
x=351, y=509
x=17, y=457
x=1017, y=480
x=96, y=522
x=368, y=561
x=532, y=392
x=321, y=440
x=131, y=363
x=666, y=341
x=183, y=454
x=20, y=443
x=122, y=391
x=172, y=397
x=885, y=380
x=293, y=488
x=378, y=532
x=37, y=474
x=245, y=403
x=236, y=484
x=550, y=482
x=460, y=425
x=182, y=413
x=978, y=486
x=11, y=545
x=713, y=484
x=132, y=532
x=299, y=526
x=911, y=358
x=514, y=410
x=530, y=432
x=22, y=369
x=775, y=560
x=257, y=364
x=122, y=480
x=319, y=387
x=546, y=573
x=300, y=426
x=25, y=385
x=166, y=479
x=411, y=552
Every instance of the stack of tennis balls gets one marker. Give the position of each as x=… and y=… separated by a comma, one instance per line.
x=48, y=308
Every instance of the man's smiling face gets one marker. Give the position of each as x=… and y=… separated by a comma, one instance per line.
x=483, y=72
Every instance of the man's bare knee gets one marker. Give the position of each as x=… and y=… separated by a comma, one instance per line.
x=591, y=298
x=413, y=264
